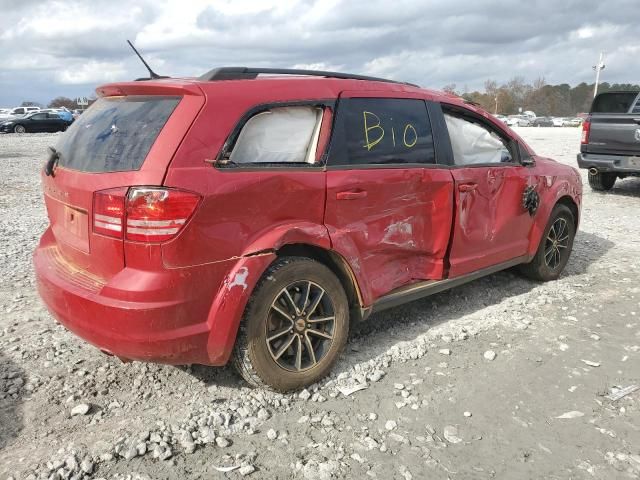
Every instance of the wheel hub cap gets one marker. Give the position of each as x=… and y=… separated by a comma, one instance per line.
x=300, y=326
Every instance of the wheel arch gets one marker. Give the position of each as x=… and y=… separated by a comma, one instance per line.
x=338, y=265
x=568, y=201
x=543, y=216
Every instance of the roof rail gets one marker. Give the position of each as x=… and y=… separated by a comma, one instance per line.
x=246, y=73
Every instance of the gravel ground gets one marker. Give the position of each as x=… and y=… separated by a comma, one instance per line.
x=500, y=378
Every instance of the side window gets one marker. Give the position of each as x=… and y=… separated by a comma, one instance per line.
x=279, y=135
x=39, y=116
x=473, y=143
x=385, y=131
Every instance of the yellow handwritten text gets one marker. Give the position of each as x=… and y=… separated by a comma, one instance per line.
x=368, y=143
x=410, y=128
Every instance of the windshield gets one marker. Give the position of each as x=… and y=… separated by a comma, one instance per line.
x=115, y=134
x=613, y=102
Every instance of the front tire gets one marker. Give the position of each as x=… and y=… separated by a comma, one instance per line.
x=19, y=129
x=294, y=326
x=602, y=181
x=555, y=247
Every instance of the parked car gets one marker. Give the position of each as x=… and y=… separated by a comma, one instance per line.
x=558, y=121
x=542, y=122
x=34, y=122
x=573, y=122
x=610, y=144
x=518, y=121
x=22, y=111
x=244, y=217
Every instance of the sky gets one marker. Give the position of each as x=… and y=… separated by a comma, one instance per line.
x=51, y=48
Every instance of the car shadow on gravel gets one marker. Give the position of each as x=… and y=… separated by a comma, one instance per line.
x=629, y=187
x=12, y=379
x=474, y=296
x=466, y=299
x=220, y=376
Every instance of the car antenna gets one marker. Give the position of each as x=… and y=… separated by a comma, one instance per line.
x=152, y=75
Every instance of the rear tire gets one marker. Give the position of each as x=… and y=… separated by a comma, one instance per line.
x=602, y=181
x=294, y=326
x=555, y=247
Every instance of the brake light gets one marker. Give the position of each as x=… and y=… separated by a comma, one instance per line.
x=586, y=128
x=108, y=211
x=143, y=214
x=158, y=214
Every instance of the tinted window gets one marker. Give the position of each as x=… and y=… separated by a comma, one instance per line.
x=38, y=116
x=384, y=131
x=618, y=102
x=475, y=143
x=115, y=134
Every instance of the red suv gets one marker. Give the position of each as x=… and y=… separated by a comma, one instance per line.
x=254, y=218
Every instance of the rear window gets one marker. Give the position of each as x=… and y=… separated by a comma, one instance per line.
x=115, y=134
x=613, y=102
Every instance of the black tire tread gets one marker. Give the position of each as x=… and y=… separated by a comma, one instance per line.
x=533, y=269
x=240, y=357
x=602, y=181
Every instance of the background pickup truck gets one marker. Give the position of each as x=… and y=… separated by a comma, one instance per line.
x=610, y=145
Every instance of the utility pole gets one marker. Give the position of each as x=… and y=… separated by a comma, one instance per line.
x=598, y=68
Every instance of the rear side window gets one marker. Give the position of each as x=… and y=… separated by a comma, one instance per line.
x=383, y=131
x=115, y=134
x=279, y=135
x=475, y=144
x=613, y=102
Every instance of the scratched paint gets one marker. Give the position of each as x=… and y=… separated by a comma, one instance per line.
x=400, y=233
x=239, y=279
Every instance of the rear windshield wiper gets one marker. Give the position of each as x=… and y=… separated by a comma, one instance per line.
x=54, y=157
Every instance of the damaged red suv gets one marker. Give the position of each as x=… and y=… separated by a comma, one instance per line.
x=254, y=218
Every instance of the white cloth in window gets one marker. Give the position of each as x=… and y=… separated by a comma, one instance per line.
x=284, y=134
x=473, y=144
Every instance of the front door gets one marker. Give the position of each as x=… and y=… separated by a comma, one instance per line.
x=389, y=205
x=491, y=225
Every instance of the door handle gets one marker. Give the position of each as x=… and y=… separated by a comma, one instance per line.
x=351, y=195
x=467, y=187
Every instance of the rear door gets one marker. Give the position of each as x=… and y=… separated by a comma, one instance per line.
x=389, y=205
x=119, y=141
x=615, y=124
x=38, y=122
x=491, y=226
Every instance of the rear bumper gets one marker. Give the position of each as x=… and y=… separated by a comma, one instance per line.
x=159, y=330
x=609, y=163
x=174, y=316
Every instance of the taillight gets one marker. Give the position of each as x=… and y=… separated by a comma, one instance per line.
x=108, y=212
x=158, y=214
x=143, y=214
x=586, y=128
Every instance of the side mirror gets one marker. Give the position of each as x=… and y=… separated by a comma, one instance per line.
x=528, y=161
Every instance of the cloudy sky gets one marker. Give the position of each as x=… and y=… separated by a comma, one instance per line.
x=68, y=47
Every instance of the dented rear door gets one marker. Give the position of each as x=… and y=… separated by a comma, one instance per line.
x=389, y=205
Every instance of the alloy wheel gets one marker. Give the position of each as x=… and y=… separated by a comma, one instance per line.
x=556, y=243
x=300, y=326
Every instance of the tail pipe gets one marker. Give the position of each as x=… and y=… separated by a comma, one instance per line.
x=593, y=171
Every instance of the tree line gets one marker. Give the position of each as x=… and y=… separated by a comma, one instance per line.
x=545, y=100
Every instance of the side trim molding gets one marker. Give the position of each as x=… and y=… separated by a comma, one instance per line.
x=419, y=290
